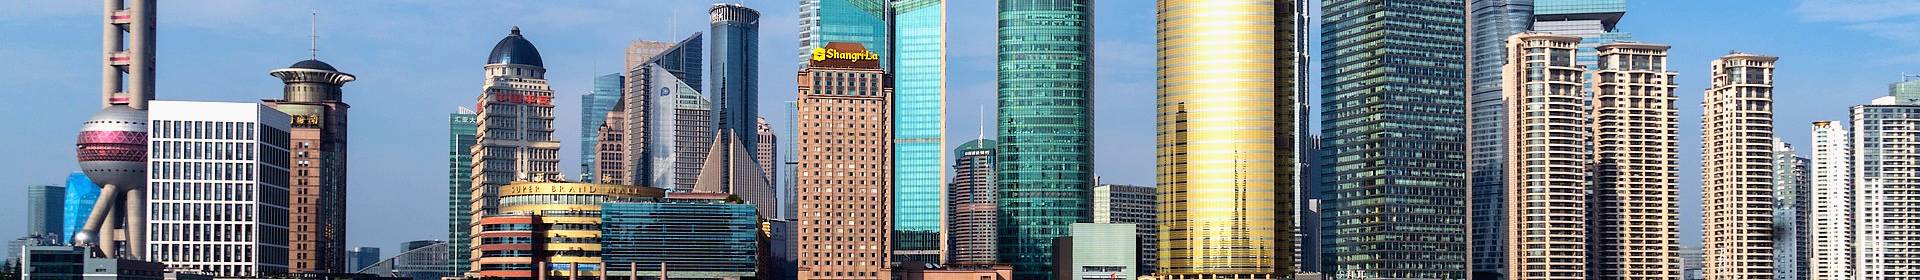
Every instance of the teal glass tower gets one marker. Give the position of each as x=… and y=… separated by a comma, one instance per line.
x=462, y=129
x=1394, y=134
x=81, y=192
x=1045, y=128
x=593, y=112
x=857, y=21
x=919, y=128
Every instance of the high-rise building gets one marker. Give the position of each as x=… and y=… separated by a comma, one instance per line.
x=462, y=134
x=1831, y=237
x=693, y=235
x=730, y=168
x=46, y=207
x=735, y=90
x=1547, y=143
x=971, y=220
x=610, y=148
x=515, y=135
x=1736, y=165
x=640, y=52
x=856, y=21
x=1492, y=21
x=917, y=41
x=846, y=207
x=1635, y=218
x=1790, y=202
x=1228, y=132
x=668, y=121
x=1097, y=251
x=789, y=161
x=1691, y=261
x=1886, y=134
x=362, y=257
x=768, y=160
x=1045, y=128
x=1907, y=90
x=314, y=100
x=80, y=195
x=1591, y=20
x=112, y=146
x=1395, y=150
x=219, y=186
x=594, y=107
x=1136, y=205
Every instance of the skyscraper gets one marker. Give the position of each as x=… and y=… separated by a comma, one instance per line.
x=1832, y=233
x=314, y=100
x=1395, y=150
x=1635, y=218
x=846, y=207
x=1790, y=202
x=1591, y=20
x=1736, y=165
x=361, y=257
x=768, y=158
x=917, y=39
x=594, y=106
x=515, y=135
x=112, y=146
x=1547, y=124
x=1227, y=132
x=1124, y=204
x=1492, y=22
x=730, y=168
x=971, y=215
x=219, y=184
x=462, y=129
x=1045, y=128
x=80, y=196
x=668, y=121
x=857, y=21
x=610, y=148
x=45, y=205
x=736, y=66
x=789, y=160
x=1885, y=136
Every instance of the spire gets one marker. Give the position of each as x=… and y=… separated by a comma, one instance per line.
x=514, y=32
x=313, y=37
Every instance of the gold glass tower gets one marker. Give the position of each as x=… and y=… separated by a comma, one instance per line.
x=1227, y=137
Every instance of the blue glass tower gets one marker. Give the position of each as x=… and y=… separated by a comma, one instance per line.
x=735, y=74
x=696, y=239
x=1045, y=125
x=919, y=128
x=593, y=111
x=46, y=207
x=81, y=193
x=858, y=21
x=789, y=180
x=1493, y=21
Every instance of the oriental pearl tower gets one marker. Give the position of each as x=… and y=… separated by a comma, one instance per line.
x=112, y=146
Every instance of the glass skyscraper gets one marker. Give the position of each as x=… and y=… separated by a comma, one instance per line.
x=46, y=207
x=461, y=132
x=857, y=21
x=663, y=103
x=1592, y=20
x=1045, y=124
x=1493, y=21
x=593, y=111
x=1393, y=124
x=919, y=126
x=81, y=193
x=734, y=87
x=686, y=238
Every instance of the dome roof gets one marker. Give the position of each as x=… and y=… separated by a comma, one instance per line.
x=315, y=64
x=515, y=49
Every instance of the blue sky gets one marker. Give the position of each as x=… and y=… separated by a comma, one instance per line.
x=419, y=60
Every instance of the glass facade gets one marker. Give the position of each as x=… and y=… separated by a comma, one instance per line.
x=919, y=44
x=706, y=240
x=1393, y=126
x=81, y=194
x=858, y=21
x=46, y=207
x=1592, y=20
x=1045, y=124
x=665, y=87
x=789, y=180
x=735, y=59
x=1493, y=21
x=461, y=130
x=593, y=111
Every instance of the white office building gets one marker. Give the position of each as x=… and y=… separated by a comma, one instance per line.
x=218, y=187
x=1832, y=219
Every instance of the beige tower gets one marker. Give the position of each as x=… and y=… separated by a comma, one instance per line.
x=845, y=176
x=1636, y=132
x=1547, y=176
x=1736, y=168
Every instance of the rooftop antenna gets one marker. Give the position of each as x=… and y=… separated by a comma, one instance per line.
x=313, y=37
x=982, y=120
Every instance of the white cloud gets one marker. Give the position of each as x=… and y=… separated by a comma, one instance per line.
x=1897, y=20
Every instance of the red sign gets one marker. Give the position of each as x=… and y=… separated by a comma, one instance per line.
x=523, y=99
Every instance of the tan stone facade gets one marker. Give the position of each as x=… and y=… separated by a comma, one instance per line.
x=1636, y=130
x=1547, y=178
x=845, y=173
x=1736, y=168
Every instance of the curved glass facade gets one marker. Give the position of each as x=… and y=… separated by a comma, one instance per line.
x=81, y=193
x=1045, y=128
x=735, y=74
x=1493, y=21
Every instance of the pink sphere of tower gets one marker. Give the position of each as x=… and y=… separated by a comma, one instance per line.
x=113, y=147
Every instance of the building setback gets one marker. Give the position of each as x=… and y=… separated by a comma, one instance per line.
x=1832, y=232
x=220, y=170
x=668, y=121
x=1635, y=223
x=971, y=203
x=735, y=90
x=846, y=177
x=1045, y=128
x=314, y=100
x=917, y=42
x=515, y=136
x=1736, y=168
x=462, y=129
x=1395, y=150
x=1547, y=155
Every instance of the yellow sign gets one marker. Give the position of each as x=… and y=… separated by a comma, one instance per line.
x=530, y=188
x=822, y=54
x=305, y=120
